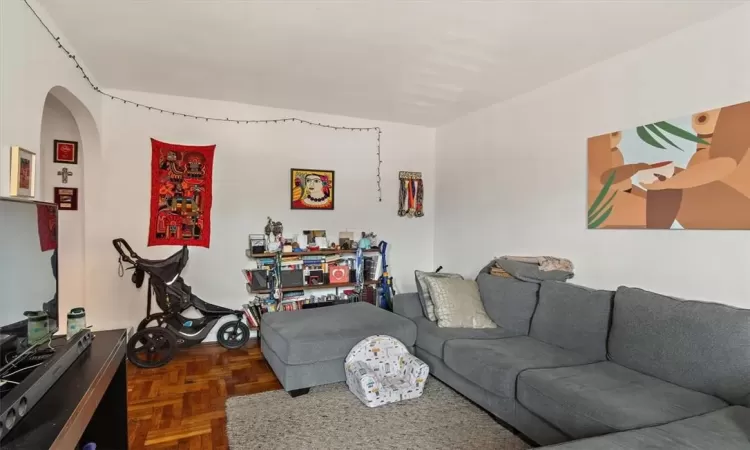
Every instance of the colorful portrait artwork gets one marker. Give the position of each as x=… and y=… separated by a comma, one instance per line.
x=181, y=177
x=312, y=189
x=689, y=173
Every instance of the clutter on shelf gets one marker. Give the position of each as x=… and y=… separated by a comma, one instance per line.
x=287, y=268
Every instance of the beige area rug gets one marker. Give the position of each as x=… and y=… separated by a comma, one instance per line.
x=331, y=417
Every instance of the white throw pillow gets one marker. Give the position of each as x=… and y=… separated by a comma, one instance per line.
x=424, y=292
x=457, y=303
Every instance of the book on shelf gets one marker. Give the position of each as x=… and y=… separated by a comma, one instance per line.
x=333, y=258
x=248, y=275
x=251, y=320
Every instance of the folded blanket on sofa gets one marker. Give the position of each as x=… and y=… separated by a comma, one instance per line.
x=534, y=269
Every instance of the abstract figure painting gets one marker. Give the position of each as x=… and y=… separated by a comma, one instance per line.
x=687, y=173
x=22, y=172
x=181, y=178
x=312, y=189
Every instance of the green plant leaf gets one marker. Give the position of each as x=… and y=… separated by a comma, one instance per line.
x=679, y=132
x=602, y=192
x=652, y=128
x=603, y=207
x=647, y=138
x=601, y=219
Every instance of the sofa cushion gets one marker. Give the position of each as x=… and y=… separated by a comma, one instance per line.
x=725, y=429
x=509, y=302
x=457, y=303
x=573, y=317
x=495, y=364
x=431, y=337
x=424, y=292
x=594, y=399
x=321, y=334
x=697, y=345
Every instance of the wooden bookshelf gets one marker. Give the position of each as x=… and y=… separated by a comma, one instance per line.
x=313, y=286
x=250, y=254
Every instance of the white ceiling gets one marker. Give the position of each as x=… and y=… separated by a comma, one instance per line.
x=420, y=62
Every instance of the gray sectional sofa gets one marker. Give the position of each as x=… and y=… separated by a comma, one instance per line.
x=567, y=362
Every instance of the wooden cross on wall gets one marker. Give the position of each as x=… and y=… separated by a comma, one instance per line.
x=65, y=173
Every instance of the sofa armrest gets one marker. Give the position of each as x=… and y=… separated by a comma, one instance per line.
x=408, y=305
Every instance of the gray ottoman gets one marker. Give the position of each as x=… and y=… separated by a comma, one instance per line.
x=307, y=348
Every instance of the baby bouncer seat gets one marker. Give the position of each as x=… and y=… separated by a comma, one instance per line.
x=380, y=370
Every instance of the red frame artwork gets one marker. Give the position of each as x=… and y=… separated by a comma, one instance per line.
x=66, y=152
x=312, y=189
x=66, y=198
x=181, y=177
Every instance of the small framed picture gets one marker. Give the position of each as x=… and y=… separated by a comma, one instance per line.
x=312, y=189
x=22, y=172
x=66, y=198
x=66, y=152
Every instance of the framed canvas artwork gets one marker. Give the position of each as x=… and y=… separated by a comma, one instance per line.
x=66, y=152
x=686, y=173
x=22, y=172
x=312, y=189
x=66, y=198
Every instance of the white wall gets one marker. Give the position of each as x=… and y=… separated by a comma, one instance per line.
x=58, y=123
x=251, y=182
x=512, y=177
x=31, y=66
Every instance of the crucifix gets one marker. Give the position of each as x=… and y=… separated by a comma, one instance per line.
x=65, y=173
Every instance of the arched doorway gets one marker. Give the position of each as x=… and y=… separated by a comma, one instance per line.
x=66, y=118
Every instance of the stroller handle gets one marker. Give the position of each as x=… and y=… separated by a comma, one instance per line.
x=119, y=243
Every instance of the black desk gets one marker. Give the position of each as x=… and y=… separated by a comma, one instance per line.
x=87, y=404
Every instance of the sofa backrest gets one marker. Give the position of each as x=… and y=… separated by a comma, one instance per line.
x=697, y=345
x=573, y=317
x=509, y=302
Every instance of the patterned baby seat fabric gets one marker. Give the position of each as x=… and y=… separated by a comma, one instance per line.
x=380, y=370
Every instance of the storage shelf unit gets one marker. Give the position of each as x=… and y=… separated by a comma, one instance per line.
x=310, y=286
x=250, y=254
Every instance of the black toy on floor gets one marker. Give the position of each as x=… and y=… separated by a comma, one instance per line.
x=160, y=334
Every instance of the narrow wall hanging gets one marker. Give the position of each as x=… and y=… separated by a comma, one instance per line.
x=687, y=173
x=46, y=220
x=181, y=177
x=410, y=194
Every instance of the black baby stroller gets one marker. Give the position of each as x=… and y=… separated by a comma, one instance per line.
x=160, y=334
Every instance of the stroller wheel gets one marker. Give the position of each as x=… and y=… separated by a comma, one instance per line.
x=152, y=347
x=233, y=335
x=154, y=320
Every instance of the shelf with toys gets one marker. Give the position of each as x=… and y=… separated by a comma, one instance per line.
x=308, y=271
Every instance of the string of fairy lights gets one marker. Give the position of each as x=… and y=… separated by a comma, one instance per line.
x=209, y=118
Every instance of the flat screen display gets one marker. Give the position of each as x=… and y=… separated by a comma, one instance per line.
x=28, y=266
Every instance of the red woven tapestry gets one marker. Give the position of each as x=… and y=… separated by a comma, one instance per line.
x=181, y=178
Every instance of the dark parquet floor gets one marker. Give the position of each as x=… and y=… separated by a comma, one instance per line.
x=181, y=406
